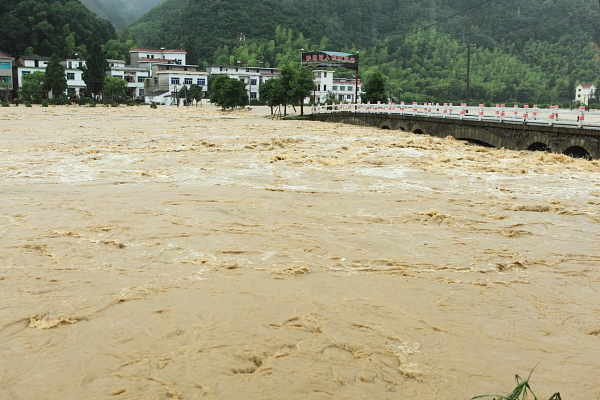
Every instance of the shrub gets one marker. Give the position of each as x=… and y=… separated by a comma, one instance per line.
x=45, y=103
x=92, y=104
x=130, y=102
x=27, y=104
x=16, y=102
x=153, y=105
x=3, y=104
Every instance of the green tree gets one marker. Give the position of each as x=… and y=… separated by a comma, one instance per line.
x=267, y=92
x=301, y=85
x=114, y=87
x=187, y=94
x=69, y=42
x=375, y=88
x=32, y=87
x=55, y=81
x=228, y=92
x=94, y=71
x=196, y=93
x=118, y=50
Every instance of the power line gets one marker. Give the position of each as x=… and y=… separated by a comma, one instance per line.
x=438, y=22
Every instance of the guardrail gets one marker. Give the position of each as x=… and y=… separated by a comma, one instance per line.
x=511, y=115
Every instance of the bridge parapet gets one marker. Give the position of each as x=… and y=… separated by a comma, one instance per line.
x=562, y=138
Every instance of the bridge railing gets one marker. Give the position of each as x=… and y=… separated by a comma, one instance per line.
x=500, y=113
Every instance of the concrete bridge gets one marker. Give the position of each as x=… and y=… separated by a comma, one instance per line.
x=520, y=134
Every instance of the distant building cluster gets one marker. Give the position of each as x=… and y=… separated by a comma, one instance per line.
x=158, y=75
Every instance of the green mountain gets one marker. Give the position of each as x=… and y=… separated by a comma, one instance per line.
x=49, y=26
x=120, y=12
x=533, y=51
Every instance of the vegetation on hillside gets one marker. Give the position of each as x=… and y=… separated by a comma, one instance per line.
x=49, y=26
x=535, y=51
x=120, y=12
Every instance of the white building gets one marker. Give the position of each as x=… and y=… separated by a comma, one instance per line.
x=75, y=84
x=343, y=89
x=145, y=58
x=29, y=64
x=583, y=93
x=166, y=81
x=135, y=77
x=253, y=77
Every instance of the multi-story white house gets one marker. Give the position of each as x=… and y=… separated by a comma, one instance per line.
x=75, y=84
x=145, y=58
x=28, y=64
x=253, y=77
x=342, y=88
x=583, y=93
x=345, y=89
x=135, y=76
x=166, y=81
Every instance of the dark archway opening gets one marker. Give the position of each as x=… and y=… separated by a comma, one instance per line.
x=577, y=152
x=477, y=142
x=403, y=129
x=385, y=127
x=418, y=132
x=538, y=146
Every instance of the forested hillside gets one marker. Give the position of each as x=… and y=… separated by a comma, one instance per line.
x=120, y=12
x=534, y=51
x=49, y=26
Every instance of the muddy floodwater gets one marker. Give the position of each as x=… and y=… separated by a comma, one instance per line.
x=186, y=253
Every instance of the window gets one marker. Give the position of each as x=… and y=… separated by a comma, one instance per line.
x=253, y=95
x=141, y=79
x=6, y=79
x=334, y=88
x=4, y=65
x=175, y=81
x=324, y=88
x=25, y=73
x=349, y=97
x=253, y=82
x=325, y=75
x=129, y=78
x=342, y=88
x=242, y=80
x=71, y=76
x=188, y=81
x=319, y=87
x=201, y=81
x=118, y=76
x=350, y=88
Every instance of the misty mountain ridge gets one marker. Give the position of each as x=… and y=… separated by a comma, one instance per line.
x=120, y=12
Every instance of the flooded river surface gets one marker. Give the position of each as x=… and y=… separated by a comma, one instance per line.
x=186, y=253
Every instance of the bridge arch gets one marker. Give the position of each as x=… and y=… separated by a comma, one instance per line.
x=419, y=129
x=538, y=142
x=479, y=135
x=577, y=148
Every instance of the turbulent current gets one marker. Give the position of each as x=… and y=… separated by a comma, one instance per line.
x=187, y=253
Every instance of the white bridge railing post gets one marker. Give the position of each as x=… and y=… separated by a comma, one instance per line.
x=580, y=116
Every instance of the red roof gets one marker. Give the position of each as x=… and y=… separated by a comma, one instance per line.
x=588, y=86
x=5, y=55
x=156, y=51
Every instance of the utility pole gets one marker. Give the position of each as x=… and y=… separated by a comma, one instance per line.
x=468, y=46
x=356, y=84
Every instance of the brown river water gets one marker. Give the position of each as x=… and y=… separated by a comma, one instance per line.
x=186, y=253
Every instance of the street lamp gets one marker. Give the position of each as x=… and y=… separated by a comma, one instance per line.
x=301, y=52
x=468, y=46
